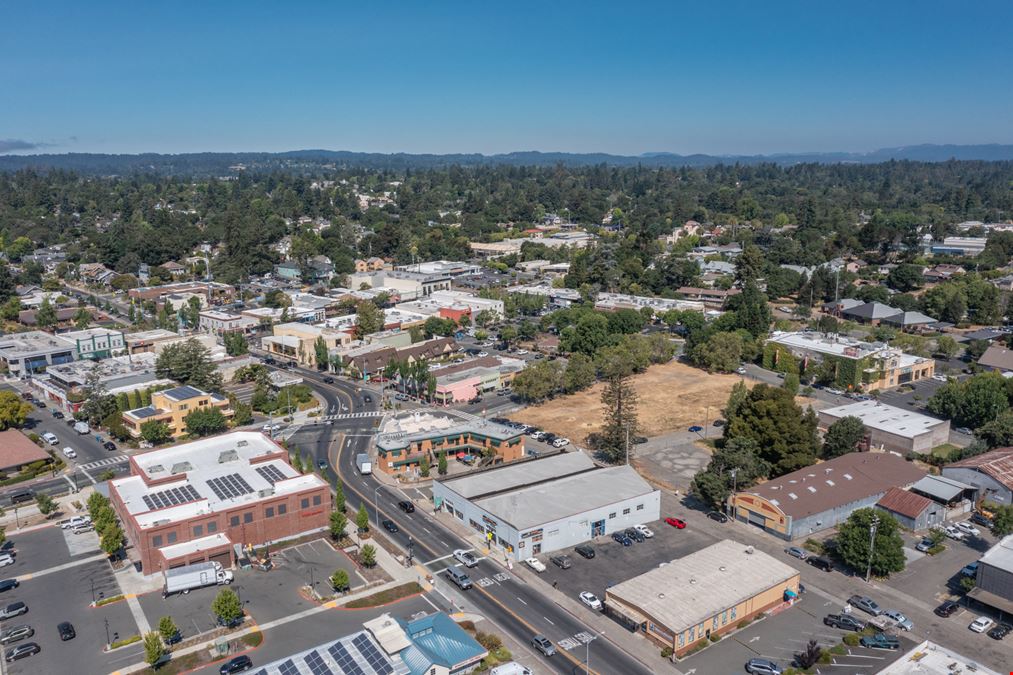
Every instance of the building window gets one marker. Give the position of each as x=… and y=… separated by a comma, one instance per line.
x=282, y=509
x=682, y=639
x=170, y=538
x=611, y=516
x=269, y=512
x=714, y=623
x=212, y=527
x=626, y=512
x=724, y=617
x=234, y=521
x=732, y=617
x=198, y=530
x=692, y=633
x=640, y=507
x=316, y=500
x=156, y=541
x=305, y=503
x=248, y=517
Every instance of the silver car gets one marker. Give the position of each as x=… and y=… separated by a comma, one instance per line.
x=16, y=633
x=796, y=552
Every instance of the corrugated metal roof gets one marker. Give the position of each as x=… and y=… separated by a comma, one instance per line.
x=443, y=641
x=996, y=463
x=903, y=502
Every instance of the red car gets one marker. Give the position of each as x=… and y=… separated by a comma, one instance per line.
x=675, y=522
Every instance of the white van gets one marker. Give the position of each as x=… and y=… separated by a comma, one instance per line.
x=50, y=437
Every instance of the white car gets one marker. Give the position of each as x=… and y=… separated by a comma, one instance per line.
x=740, y=371
x=644, y=530
x=953, y=533
x=69, y=452
x=560, y=442
x=50, y=437
x=6, y=559
x=535, y=564
x=522, y=352
x=74, y=521
x=466, y=558
x=939, y=378
x=591, y=600
x=268, y=428
x=981, y=624
x=483, y=354
x=967, y=528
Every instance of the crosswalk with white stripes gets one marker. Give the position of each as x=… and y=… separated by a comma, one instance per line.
x=98, y=464
x=354, y=415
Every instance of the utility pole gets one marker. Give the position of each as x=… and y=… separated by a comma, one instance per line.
x=872, y=546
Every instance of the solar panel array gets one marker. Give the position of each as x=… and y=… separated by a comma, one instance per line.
x=317, y=665
x=346, y=662
x=289, y=668
x=270, y=473
x=376, y=660
x=230, y=486
x=171, y=497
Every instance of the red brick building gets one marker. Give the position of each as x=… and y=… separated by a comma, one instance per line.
x=197, y=501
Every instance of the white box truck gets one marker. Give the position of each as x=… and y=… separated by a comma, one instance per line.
x=198, y=575
x=363, y=464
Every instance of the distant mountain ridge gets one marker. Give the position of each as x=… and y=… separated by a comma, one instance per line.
x=220, y=163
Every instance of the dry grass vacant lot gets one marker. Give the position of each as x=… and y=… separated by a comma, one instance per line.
x=673, y=396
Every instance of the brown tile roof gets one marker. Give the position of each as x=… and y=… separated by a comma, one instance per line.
x=839, y=481
x=997, y=356
x=16, y=450
x=996, y=463
x=903, y=502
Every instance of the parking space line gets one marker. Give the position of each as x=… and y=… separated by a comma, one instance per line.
x=60, y=568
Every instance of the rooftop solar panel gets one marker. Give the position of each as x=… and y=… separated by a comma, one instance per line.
x=317, y=665
x=346, y=662
x=289, y=668
x=230, y=486
x=171, y=497
x=270, y=473
x=376, y=660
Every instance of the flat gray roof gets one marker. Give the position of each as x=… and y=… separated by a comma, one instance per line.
x=1000, y=555
x=940, y=487
x=696, y=587
x=896, y=421
x=569, y=496
x=519, y=474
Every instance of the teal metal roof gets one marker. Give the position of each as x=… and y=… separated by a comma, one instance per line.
x=442, y=642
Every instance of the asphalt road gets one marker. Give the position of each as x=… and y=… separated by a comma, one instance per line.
x=507, y=601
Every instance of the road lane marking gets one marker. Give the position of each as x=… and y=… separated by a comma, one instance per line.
x=522, y=601
x=551, y=622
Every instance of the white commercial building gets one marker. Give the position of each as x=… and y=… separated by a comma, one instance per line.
x=550, y=503
x=26, y=353
x=220, y=323
x=891, y=428
x=929, y=658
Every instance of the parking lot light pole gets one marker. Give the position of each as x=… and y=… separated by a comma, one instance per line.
x=872, y=546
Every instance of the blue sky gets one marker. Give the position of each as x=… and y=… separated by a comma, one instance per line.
x=622, y=77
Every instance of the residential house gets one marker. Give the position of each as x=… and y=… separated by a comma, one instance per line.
x=18, y=451
x=95, y=273
x=174, y=269
x=997, y=357
x=373, y=264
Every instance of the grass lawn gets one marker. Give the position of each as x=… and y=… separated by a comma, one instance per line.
x=944, y=451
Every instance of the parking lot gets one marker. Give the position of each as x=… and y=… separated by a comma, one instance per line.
x=58, y=586
x=614, y=562
x=785, y=634
x=934, y=578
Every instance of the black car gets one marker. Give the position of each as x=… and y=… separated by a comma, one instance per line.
x=329, y=380
x=947, y=609
x=390, y=526
x=8, y=584
x=57, y=414
x=21, y=651
x=406, y=506
x=636, y=535
x=66, y=630
x=845, y=621
x=322, y=464
x=820, y=563
x=40, y=404
x=367, y=399
x=585, y=551
x=1000, y=631
x=109, y=445
x=718, y=516
x=236, y=665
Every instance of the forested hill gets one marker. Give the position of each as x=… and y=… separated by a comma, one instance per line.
x=313, y=161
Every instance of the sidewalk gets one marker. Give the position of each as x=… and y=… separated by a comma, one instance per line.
x=27, y=518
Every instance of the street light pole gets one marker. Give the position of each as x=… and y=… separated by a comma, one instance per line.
x=587, y=655
x=376, y=506
x=872, y=546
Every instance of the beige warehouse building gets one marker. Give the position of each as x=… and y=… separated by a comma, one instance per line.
x=890, y=428
x=683, y=603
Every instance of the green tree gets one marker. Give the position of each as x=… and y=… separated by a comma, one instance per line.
x=589, y=334
x=82, y=318
x=538, y=381
x=719, y=353
x=337, y=524
x=321, y=353
x=339, y=495
x=340, y=581
x=235, y=344
x=424, y=466
x=189, y=362
x=111, y=539
x=367, y=555
x=1002, y=519
x=441, y=467
x=156, y=432
x=167, y=629
x=906, y=277
x=190, y=313
x=11, y=307
x=973, y=402
x=154, y=650
x=853, y=542
x=45, y=316
x=750, y=265
x=785, y=436
x=243, y=414
x=45, y=503
x=362, y=519
x=205, y=422
x=842, y=437
x=810, y=656
x=999, y=432
x=226, y=606
x=369, y=318
x=620, y=423
x=751, y=310
x=946, y=346
x=13, y=410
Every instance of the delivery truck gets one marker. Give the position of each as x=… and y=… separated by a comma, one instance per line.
x=198, y=575
x=363, y=463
